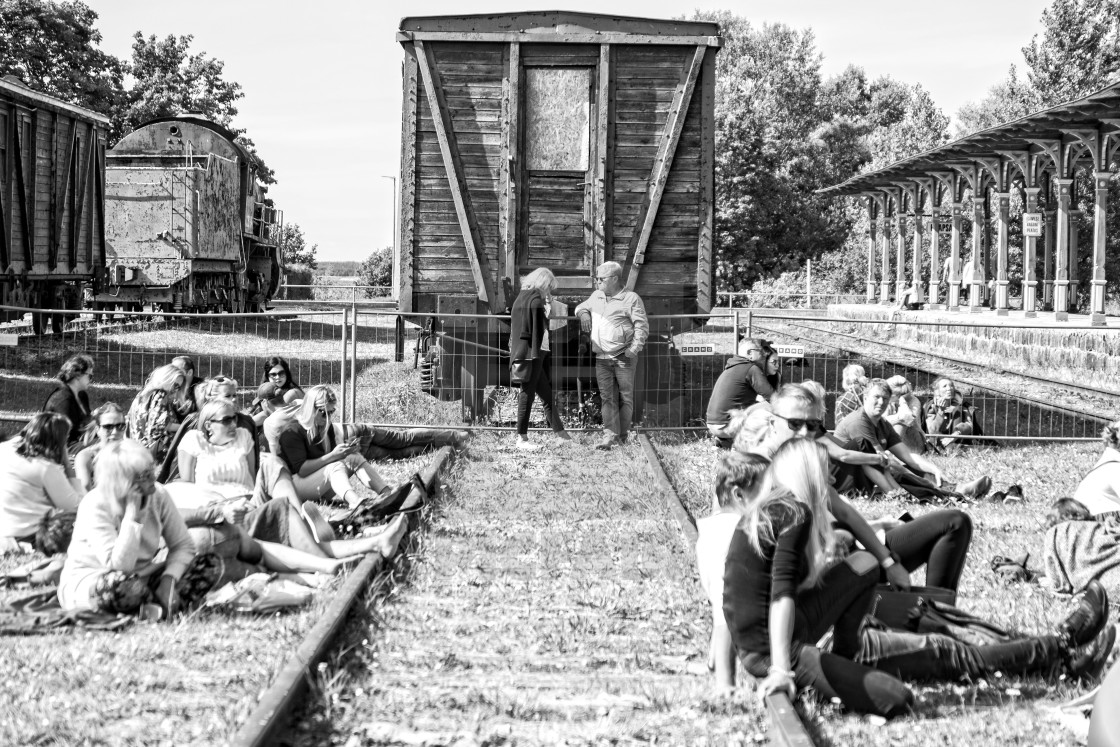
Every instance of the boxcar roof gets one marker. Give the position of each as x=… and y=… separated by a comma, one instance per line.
x=11, y=85
x=198, y=119
x=562, y=21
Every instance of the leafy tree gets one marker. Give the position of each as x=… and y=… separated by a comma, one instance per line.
x=377, y=270
x=1077, y=52
x=294, y=247
x=53, y=48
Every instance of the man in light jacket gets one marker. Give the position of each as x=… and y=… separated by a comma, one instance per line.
x=616, y=320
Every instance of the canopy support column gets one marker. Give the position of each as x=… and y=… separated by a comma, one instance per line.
x=885, y=267
x=1074, y=251
x=1061, y=253
x=1100, y=235
x=1003, y=219
x=934, y=258
x=871, y=236
x=1048, y=233
x=1030, y=259
x=919, y=293
x=955, y=258
x=975, y=272
x=900, y=253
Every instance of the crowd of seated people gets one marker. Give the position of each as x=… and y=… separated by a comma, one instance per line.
x=149, y=506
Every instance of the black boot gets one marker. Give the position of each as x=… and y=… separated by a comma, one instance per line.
x=1089, y=663
x=1086, y=622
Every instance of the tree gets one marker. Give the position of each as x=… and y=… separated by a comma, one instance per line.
x=294, y=247
x=377, y=270
x=53, y=48
x=1077, y=52
x=1006, y=101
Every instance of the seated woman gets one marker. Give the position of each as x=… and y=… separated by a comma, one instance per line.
x=215, y=455
x=852, y=380
x=153, y=418
x=106, y=426
x=39, y=493
x=217, y=387
x=71, y=397
x=784, y=588
x=947, y=414
x=904, y=413
x=121, y=525
x=278, y=388
x=189, y=404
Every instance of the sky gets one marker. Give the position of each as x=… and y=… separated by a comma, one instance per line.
x=322, y=80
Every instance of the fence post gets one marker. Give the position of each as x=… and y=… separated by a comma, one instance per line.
x=735, y=332
x=354, y=362
x=342, y=367
x=398, y=348
x=750, y=331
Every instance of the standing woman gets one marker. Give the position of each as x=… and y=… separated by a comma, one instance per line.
x=105, y=426
x=528, y=343
x=71, y=398
x=38, y=491
x=153, y=418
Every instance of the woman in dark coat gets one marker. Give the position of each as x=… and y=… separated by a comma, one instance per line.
x=71, y=398
x=529, y=351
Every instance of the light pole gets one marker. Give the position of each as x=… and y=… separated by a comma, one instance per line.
x=396, y=244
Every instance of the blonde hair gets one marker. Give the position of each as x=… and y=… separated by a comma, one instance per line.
x=316, y=397
x=854, y=378
x=210, y=411
x=540, y=279
x=119, y=464
x=899, y=385
x=799, y=473
x=164, y=378
x=751, y=428
x=817, y=390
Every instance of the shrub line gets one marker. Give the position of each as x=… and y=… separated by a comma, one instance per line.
x=276, y=703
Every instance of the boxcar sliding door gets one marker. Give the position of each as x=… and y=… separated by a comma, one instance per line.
x=556, y=172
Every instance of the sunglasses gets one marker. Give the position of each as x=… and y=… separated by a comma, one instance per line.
x=276, y=374
x=227, y=420
x=325, y=413
x=812, y=425
x=111, y=427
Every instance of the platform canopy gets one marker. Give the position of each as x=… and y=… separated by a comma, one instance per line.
x=1037, y=154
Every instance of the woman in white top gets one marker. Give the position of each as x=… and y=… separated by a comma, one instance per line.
x=38, y=490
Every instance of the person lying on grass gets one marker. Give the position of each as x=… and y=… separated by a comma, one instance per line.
x=738, y=481
x=120, y=528
x=785, y=587
x=866, y=430
x=215, y=455
x=106, y=425
x=938, y=540
x=39, y=493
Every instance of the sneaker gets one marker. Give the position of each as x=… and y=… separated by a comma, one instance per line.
x=1089, y=663
x=1087, y=621
x=525, y=444
x=609, y=442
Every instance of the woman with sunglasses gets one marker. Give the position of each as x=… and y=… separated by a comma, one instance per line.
x=71, y=397
x=218, y=387
x=39, y=492
x=153, y=418
x=321, y=462
x=106, y=426
x=278, y=388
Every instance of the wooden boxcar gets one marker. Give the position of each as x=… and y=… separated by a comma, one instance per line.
x=559, y=140
x=187, y=228
x=52, y=165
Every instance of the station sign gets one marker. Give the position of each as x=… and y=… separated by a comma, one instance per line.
x=790, y=351
x=1032, y=224
x=696, y=349
x=9, y=340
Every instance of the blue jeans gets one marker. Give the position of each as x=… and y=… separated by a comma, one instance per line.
x=616, y=389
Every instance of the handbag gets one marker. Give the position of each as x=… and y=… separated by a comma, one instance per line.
x=894, y=607
x=520, y=371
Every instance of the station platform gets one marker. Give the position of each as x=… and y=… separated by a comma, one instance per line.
x=1073, y=350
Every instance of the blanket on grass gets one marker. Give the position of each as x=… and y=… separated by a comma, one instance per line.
x=40, y=612
x=1076, y=552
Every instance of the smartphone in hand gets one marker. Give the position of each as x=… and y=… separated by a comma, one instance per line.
x=905, y=517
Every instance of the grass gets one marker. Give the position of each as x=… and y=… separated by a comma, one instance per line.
x=188, y=682
x=1000, y=710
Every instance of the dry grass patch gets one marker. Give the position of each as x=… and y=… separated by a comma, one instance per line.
x=999, y=710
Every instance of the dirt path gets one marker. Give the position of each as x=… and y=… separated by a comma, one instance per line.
x=551, y=600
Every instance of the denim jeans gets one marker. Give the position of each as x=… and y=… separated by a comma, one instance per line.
x=539, y=385
x=400, y=443
x=939, y=540
x=616, y=389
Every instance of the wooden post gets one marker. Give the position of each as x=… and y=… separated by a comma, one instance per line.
x=354, y=363
x=510, y=170
x=885, y=266
x=1074, y=251
x=410, y=112
x=871, y=226
x=342, y=366
x=1030, y=259
x=900, y=251
x=705, y=239
x=1061, y=251
x=1100, y=237
x=975, y=271
x=1048, y=241
x=916, y=275
x=1003, y=218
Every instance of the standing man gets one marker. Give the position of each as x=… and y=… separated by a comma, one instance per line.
x=616, y=320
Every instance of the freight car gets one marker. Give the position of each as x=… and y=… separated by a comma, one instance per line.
x=187, y=227
x=52, y=165
x=559, y=140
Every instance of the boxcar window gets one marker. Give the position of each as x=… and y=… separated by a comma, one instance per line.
x=558, y=118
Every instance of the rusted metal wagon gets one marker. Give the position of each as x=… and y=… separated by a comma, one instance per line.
x=187, y=227
x=52, y=165
x=559, y=140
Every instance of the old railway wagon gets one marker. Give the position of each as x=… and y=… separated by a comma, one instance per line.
x=52, y=165
x=187, y=228
x=558, y=140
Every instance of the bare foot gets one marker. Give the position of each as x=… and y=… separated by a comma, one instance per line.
x=393, y=536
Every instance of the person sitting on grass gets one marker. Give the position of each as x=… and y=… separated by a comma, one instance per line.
x=904, y=413
x=215, y=388
x=947, y=414
x=852, y=381
x=39, y=493
x=865, y=430
x=105, y=426
x=742, y=383
x=738, y=482
x=121, y=526
x=71, y=397
x=153, y=418
x=189, y=404
x=938, y=540
x=278, y=388
x=263, y=505
x=785, y=587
